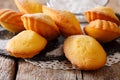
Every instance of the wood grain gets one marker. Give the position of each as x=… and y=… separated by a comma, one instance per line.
x=106, y=73
x=27, y=71
x=7, y=68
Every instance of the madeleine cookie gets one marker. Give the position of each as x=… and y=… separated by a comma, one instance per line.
x=29, y=6
x=42, y=24
x=102, y=13
x=26, y=44
x=11, y=20
x=66, y=21
x=103, y=31
x=84, y=52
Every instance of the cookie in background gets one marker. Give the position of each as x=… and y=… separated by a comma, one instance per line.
x=102, y=30
x=11, y=20
x=65, y=20
x=42, y=24
x=102, y=13
x=29, y=6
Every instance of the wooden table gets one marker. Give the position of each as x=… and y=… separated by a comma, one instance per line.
x=17, y=69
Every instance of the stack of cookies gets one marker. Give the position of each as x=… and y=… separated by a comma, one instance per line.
x=37, y=24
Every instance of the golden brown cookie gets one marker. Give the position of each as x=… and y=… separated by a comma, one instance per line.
x=29, y=6
x=11, y=20
x=42, y=24
x=84, y=52
x=103, y=31
x=102, y=13
x=26, y=44
x=66, y=21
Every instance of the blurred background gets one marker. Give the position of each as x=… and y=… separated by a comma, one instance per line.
x=7, y=4
x=114, y=4
x=11, y=5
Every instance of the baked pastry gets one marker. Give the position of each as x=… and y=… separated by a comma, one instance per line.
x=29, y=6
x=42, y=24
x=26, y=44
x=84, y=52
x=66, y=21
x=102, y=13
x=11, y=20
x=103, y=31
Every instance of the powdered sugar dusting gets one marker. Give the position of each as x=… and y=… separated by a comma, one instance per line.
x=75, y=6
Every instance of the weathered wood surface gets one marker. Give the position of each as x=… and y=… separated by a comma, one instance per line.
x=106, y=73
x=27, y=71
x=7, y=68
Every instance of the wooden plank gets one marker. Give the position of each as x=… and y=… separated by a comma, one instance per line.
x=27, y=71
x=7, y=68
x=79, y=75
x=106, y=73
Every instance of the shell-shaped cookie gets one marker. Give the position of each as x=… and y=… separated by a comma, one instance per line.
x=29, y=6
x=26, y=44
x=103, y=31
x=41, y=24
x=66, y=21
x=84, y=52
x=11, y=20
x=102, y=13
